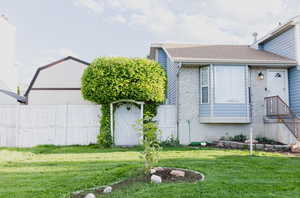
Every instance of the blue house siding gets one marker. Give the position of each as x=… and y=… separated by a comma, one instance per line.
x=294, y=89
x=204, y=110
x=230, y=110
x=171, y=70
x=162, y=58
x=283, y=45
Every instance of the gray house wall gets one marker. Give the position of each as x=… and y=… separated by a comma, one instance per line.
x=189, y=126
x=189, y=108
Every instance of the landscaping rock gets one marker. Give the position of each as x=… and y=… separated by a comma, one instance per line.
x=259, y=146
x=108, y=189
x=177, y=173
x=240, y=145
x=158, y=169
x=220, y=144
x=152, y=171
x=90, y=195
x=227, y=144
x=156, y=179
x=269, y=147
x=253, y=141
x=281, y=147
x=295, y=148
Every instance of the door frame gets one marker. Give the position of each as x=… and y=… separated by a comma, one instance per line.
x=112, y=114
x=286, y=82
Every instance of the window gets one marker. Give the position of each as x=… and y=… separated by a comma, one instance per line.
x=204, y=85
x=230, y=84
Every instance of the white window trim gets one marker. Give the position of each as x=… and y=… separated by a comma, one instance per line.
x=208, y=84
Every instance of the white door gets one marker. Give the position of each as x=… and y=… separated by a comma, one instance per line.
x=277, y=84
x=125, y=132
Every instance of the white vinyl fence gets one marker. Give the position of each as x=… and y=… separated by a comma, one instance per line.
x=31, y=125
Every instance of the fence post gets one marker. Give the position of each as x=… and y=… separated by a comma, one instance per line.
x=251, y=141
x=66, y=123
x=17, y=132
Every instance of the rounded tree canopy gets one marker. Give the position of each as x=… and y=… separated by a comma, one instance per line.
x=110, y=79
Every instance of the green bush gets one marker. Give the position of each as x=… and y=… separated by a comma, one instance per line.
x=107, y=80
x=265, y=140
x=239, y=138
x=110, y=79
x=104, y=138
x=236, y=138
x=170, y=142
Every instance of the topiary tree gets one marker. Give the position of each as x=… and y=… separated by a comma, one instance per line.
x=110, y=79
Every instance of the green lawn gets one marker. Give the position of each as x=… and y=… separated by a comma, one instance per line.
x=48, y=171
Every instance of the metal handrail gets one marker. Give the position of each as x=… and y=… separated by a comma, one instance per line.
x=277, y=108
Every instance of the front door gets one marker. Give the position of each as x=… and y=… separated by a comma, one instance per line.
x=277, y=84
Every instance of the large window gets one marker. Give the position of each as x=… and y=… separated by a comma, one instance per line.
x=204, y=85
x=230, y=84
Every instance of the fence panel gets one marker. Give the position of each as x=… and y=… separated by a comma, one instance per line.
x=167, y=121
x=31, y=125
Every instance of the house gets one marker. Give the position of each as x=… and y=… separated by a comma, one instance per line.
x=8, y=74
x=57, y=83
x=224, y=90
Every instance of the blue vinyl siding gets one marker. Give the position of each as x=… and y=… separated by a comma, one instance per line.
x=172, y=81
x=230, y=110
x=204, y=110
x=283, y=45
x=294, y=89
x=171, y=70
x=162, y=58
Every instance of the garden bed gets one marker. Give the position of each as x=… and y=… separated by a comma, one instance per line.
x=164, y=173
x=256, y=146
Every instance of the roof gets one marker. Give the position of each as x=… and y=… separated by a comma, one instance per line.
x=221, y=54
x=51, y=65
x=278, y=30
x=21, y=99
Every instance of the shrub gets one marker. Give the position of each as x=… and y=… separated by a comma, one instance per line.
x=150, y=132
x=107, y=80
x=111, y=79
x=238, y=138
x=170, y=142
x=265, y=140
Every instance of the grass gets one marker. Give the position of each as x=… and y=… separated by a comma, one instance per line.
x=51, y=172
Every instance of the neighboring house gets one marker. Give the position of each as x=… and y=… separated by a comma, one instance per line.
x=57, y=83
x=224, y=90
x=8, y=73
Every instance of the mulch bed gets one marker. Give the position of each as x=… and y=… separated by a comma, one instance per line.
x=190, y=176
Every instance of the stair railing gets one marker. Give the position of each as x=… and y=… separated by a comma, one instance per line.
x=276, y=108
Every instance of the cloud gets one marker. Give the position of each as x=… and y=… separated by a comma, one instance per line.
x=118, y=19
x=205, y=21
x=92, y=5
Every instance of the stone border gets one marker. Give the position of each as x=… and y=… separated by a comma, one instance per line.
x=104, y=186
x=240, y=145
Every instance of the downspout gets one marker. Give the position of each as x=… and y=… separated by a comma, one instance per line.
x=177, y=98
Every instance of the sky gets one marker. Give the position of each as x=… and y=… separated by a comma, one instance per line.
x=48, y=30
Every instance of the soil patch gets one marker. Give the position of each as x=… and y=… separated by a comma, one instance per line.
x=190, y=176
